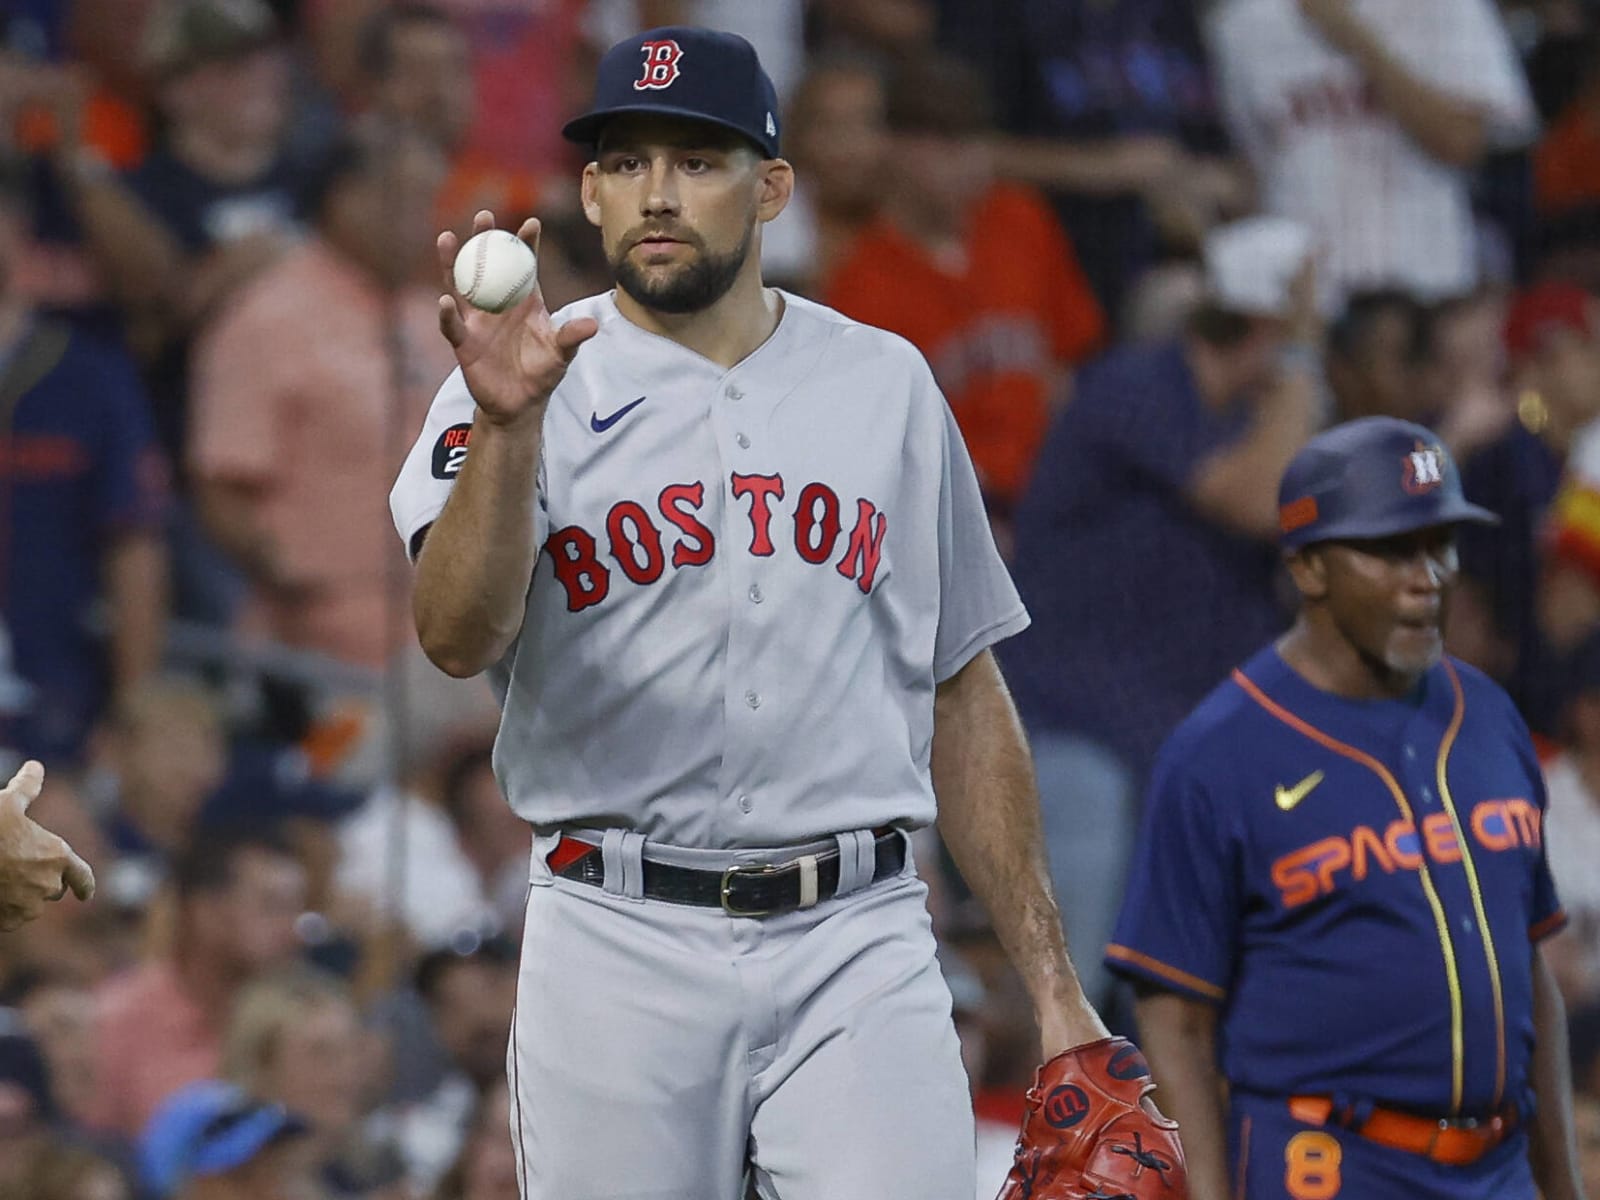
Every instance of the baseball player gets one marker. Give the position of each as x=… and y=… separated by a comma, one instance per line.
x=1341, y=886
x=722, y=552
x=36, y=866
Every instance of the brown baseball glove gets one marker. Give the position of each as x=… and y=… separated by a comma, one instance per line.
x=1087, y=1135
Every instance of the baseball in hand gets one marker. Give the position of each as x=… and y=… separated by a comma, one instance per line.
x=495, y=270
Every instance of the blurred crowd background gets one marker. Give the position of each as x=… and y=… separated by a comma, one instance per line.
x=217, y=341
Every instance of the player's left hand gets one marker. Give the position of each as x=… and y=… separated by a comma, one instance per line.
x=1091, y=1133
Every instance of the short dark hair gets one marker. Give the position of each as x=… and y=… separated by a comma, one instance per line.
x=938, y=93
x=208, y=862
x=1349, y=332
x=375, y=42
x=354, y=154
x=496, y=950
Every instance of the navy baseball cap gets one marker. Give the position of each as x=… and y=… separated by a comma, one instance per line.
x=1371, y=478
x=678, y=71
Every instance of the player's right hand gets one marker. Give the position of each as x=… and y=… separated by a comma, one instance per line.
x=514, y=359
x=36, y=866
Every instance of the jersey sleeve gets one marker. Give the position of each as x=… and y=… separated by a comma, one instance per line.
x=978, y=603
x=1180, y=913
x=429, y=472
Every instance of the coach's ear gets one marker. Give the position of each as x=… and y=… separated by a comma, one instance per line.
x=1308, y=567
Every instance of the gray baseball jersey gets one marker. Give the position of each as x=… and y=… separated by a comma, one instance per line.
x=750, y=581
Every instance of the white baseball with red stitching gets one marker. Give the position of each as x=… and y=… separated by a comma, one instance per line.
x=495, y=270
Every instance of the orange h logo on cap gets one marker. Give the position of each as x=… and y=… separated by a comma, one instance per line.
x=660, y=66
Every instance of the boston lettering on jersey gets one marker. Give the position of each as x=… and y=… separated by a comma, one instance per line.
x=634, y=539
x=1314, y=870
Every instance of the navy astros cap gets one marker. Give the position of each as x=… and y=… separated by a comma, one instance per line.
x=1371, y=478
x=683, y=72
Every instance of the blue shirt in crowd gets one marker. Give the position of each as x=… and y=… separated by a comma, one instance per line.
x=78, y=467
x=1140, y=604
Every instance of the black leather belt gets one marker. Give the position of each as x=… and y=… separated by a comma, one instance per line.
x=743, y=890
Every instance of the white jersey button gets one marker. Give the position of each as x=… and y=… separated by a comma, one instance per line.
x=756, y=594
x=753, y=699
x=734, y=393
x=744, y=442
x=746, y=804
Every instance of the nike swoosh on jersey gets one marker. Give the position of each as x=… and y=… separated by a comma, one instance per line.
x=1287, y=798
x=600, y=424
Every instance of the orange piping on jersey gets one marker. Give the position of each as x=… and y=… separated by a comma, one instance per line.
x=1242, y=1166
x=1193, y=982
x=1446, y=946
x=1472, y=885
x=1547, y=926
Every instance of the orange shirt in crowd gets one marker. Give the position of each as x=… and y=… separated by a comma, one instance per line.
x=295, y=393
x=998, y=332
x=1566, y=163
x=150, y=1040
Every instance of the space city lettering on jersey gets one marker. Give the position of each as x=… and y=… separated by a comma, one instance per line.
x=1321, y=868
x=634, y=536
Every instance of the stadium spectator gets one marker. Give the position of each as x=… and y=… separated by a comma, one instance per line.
x=977, y=274
x=295, y=1039
x=1364, y=122
x=1572, y=834
x=83, y=492
x=1110, y=109
x=493, y=838
x=470, y=996
x=58, y=1013
x=160, y=1025
x=302, y=409
x=1143, y=553
x=486, y=1168
x=1552, y=342
x=416, y=63
x=211, y=1141
x=165, y=753
x=66, y=1170
x=213, y=202
x=27, y=1107
x=1374, y=350
x=836, y=138
x=529, y=69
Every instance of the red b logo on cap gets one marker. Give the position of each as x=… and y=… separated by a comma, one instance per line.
x=660, y=66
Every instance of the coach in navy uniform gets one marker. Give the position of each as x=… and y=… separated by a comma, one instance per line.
x=1340, y=888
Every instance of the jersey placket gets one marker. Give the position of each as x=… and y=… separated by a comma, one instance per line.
x=1425, y=761
x=753, y=521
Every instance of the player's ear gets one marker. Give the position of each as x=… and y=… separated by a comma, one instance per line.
x=1308, y=568
x=774, y=187
x=588, y=194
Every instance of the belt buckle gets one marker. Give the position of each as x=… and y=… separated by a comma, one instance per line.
x=746, y=869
